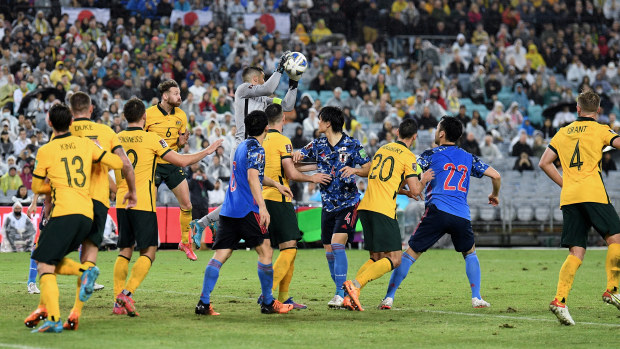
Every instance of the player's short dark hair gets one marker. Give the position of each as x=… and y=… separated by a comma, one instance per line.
x=249, y=71
x=274, y=113
x=407, y=128
x=255, y=123
x=80, y=102
x=165, y=86
x=589, y=101
x=60, y=116
x=452, y=127
x=334, y=116
x=133, y=110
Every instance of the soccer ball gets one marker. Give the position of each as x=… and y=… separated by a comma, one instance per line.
x=296, y=64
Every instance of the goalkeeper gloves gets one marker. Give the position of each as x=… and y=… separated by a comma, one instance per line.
x=283, y=59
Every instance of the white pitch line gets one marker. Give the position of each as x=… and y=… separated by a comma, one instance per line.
x=525, y=318
x=17, y=346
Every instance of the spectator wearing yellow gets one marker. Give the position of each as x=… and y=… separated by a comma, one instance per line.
x=320, y=31
x=59, y=72
x=535, y=57
x=10, y=180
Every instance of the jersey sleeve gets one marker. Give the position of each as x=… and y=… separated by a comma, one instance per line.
x=256, y=159
x=554, y=143
x=359, y=154
x=159, y=145
x=607, y=134
x=309, y=150
x=411, y=167
x=424, y=160
x=183, y=127
x=285, y=148
x=108, y=159
x=115, y=143
x=478, y=167
x=41, y=164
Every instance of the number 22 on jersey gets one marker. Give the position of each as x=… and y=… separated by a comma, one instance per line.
x=462, y=169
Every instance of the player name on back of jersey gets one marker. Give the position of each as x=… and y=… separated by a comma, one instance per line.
x=576, y=129
x=394, y=149
x=83, y=127
x=67, y=146
x=130, y=139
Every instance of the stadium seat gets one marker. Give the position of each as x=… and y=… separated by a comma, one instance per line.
x=488, y=212
x=525, y=213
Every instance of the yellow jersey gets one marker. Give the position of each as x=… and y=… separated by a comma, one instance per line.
x=392, y=164
x=579, y=147
x=277, y=147
x=104, y=137
x=143, y=149
x=167, y=126
x=67, y=161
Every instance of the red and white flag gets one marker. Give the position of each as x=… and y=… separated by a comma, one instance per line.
x=101, y=14
x=273, y=21
x=188, y=18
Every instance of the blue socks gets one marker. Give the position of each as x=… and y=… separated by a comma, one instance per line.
x=265, y=275
x=211, y=274
x=32, y=274
x=399, y=274
x=330, y=262
x=472, y=268
x=341, y=266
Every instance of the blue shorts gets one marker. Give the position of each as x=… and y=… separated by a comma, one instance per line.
x=434, y=224
x=343, y=221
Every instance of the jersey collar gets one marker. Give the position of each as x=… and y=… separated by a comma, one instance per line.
x=82, y=119
x=134, y=128
x=163, y=111
x=63, y=136
x=585, y=118
x=339, y=141
x=272, y=130
x=401, y=143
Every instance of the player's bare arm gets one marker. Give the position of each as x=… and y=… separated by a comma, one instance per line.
x=33, y=205
x=348, y=171
x=183, y=160
x=546, y=164
x=284, y=190
x=496, y=180
x=131, y=198
x=294, y=174
x=301, y=167
x=416, y=186
x=257, y=194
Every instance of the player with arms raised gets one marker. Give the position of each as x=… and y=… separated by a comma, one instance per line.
x=138, y=225
x=447, y=211
x=245, y=216
x=336, y=154
x=583, y=200
x=393, y=166
x=253, y=94
x=170, y=123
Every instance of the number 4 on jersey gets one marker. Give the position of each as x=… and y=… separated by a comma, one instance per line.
x=575, y=161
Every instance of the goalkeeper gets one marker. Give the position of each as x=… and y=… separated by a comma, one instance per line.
x=253, y=94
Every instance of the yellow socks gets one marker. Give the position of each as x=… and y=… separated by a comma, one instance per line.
x=78, y=304
x=374, y=271
x=283, y=271
x=185, y=217
x=49, y=295
x=286, y=281
x=70, y=267
x=138, y=273
x=364, y=267
x=121, y=268
x=567, y=276
x=612, y=266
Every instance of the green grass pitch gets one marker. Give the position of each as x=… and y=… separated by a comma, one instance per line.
x=432, y=307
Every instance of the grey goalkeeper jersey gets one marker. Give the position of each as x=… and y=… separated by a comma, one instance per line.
x=250, y=97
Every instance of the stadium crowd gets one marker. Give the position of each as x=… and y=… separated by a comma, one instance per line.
x=510, y=70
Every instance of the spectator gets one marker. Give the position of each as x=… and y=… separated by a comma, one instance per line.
x=608, y=163
x=26, y=176
x=522, y=146
x=22, y=196
x=6, y=144
x=426, y=120
x=523, y=163
x=563, y=118
x=475, y=128
x=199, y=187
x=470, y=144
x=17, y=231
x=299, y=141
x=320, y=31
x=217, y=170
x=489, y=151
x=534, y=57
x=539, y=146
x=216, y=196
x=336, y=100
x=311, y=123
x=10, y=180
x=515, y=118
x=354, y=100
x=492, y=86
x=182, y=5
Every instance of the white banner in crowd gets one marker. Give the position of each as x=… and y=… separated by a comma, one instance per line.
x=101, y=14
x=274, y=21
x=190, y=17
